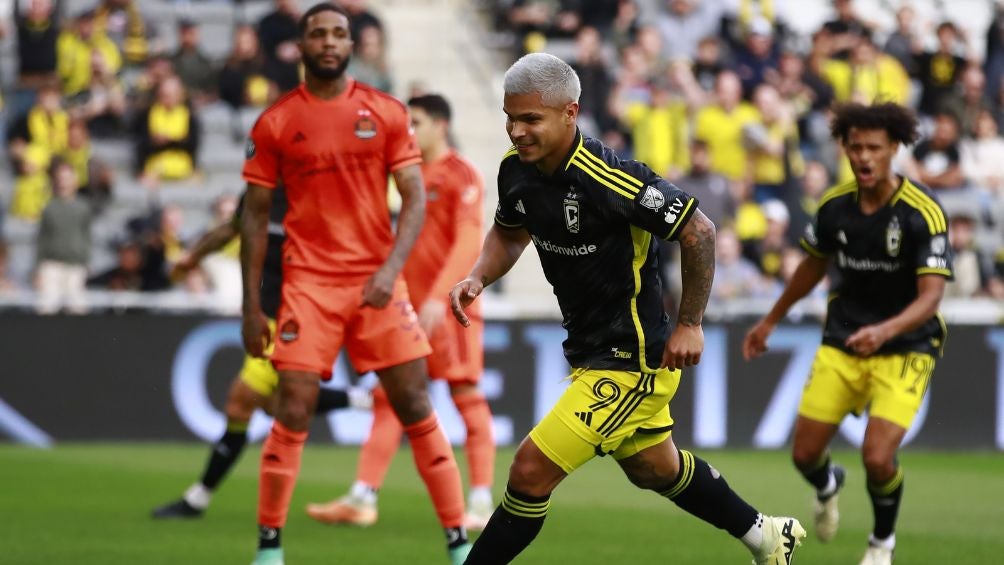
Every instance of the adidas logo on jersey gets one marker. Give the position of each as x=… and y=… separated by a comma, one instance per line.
x=586, y=417
x=519, y=207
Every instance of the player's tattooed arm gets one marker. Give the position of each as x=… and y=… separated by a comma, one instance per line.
x=697, y=265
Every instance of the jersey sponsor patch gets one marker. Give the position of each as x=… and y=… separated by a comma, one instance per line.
x=249, y=149
x=652, y=199
x=674, y=210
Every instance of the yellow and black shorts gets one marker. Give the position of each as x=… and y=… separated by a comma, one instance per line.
x=258, y=373
x=605, y=412
x=891, y=386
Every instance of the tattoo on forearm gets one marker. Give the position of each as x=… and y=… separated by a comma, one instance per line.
x=697, y=264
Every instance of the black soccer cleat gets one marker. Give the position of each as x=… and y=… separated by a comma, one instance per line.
x=177, y=509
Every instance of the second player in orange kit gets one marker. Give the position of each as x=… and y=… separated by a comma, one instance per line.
x=445, y=251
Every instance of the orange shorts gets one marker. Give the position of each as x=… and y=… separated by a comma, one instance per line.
x=457, y=352
x=315, y=320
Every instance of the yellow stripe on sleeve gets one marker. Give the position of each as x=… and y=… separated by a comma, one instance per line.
x=631, y=180
x=581, y=165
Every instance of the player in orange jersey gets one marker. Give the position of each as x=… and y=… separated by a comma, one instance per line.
x=445, y=251
x=332, y=142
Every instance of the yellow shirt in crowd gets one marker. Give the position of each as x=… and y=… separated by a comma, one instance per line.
x=723, y=133
x=74, y=59
x=171, y=124
x=660, y=135
x=884, y=81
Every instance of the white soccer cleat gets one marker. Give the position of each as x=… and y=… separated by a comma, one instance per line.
x=877, y=555
x=347, y=510
x=827, y=512
x=477, y=516
x=781, y=535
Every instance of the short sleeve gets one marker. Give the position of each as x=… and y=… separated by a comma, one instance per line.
x=510, y=212
x=402, y=149
x=932, y=253
x=261, y=155
x=638, y=195
x=816, y=240
x=661, y=208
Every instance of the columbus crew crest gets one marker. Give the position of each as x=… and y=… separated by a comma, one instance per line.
x=893, y=237
x=572, y=219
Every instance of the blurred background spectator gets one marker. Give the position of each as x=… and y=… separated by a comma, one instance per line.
x=368, y=62
x=64, y=245
x=277, y=33
x=193, y=66
x=167, y=136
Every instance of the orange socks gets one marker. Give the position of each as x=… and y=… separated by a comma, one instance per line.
x=480, y=445
x=385, y=437
x=280, y=464
x=435, y=462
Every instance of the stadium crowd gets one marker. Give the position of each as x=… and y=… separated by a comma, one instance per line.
x=727, y=100
x=723, y=97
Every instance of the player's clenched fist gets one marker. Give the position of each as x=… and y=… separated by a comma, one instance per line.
x=462, y=295
x=255, y=333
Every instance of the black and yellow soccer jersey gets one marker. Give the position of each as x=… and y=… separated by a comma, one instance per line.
x=878, y=258
x=271, y=274
x=593, y=223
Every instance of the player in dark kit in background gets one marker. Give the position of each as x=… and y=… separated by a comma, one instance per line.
x=593, y=219
x=333, y=142
x=255, y=384
x=887, y=238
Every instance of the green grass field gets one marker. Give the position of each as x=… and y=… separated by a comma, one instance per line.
x=89, y=503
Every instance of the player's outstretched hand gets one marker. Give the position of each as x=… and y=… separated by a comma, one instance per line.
x=379, y=288
x=867, y=340
x=684, y=347
x=462, y=295
x=755, y=342
x=255, y=333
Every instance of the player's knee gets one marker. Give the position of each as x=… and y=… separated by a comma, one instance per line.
x=410, y=404
x=806, y=457
x=529, y=476
x=649, y=480
x=238, y=409
x=240, y=406
x=295, y=414
x=879, y=465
